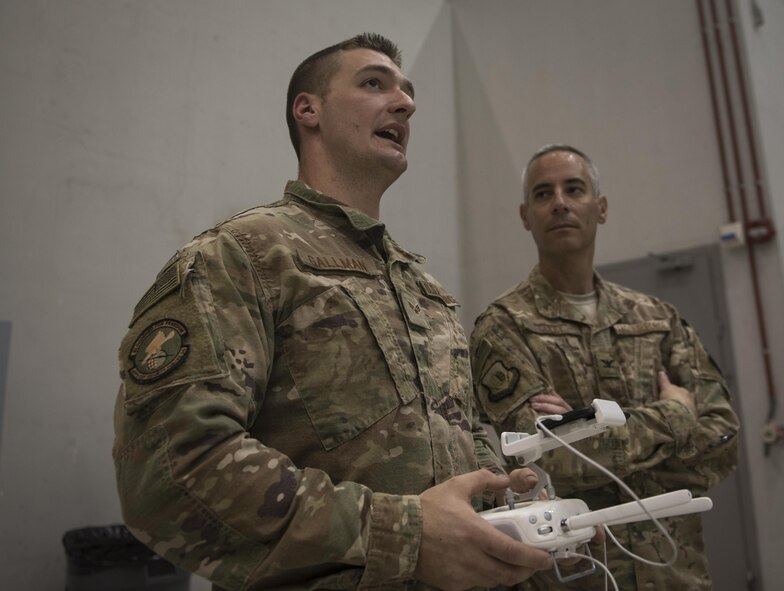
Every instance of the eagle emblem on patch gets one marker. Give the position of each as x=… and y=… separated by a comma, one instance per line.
x=158, y=350
x=500, y=381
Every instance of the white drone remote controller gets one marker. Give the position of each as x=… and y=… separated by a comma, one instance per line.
x=561, y=525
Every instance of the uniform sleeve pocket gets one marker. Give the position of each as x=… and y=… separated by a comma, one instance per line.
x=171, y=343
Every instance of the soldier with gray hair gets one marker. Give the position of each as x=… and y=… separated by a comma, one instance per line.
x=564, y=337
x=296, y=408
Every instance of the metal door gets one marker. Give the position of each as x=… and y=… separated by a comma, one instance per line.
x=692, y=281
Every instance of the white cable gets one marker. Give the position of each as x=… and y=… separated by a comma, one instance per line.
x=623, y=485
x=631, y=554
x=606, y=570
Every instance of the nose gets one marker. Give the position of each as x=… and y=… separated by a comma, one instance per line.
x=559, y=203
x=403, y=103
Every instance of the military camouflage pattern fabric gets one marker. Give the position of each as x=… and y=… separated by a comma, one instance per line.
x=532, y=340
x=290, y=383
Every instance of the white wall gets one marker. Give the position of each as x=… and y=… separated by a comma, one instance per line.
x=128, y=127
x=125, y=129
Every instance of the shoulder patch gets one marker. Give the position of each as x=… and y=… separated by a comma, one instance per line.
x=167, y=280
x=158, y=350
x=500, y=381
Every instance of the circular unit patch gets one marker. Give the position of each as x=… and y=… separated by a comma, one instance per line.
x=159, y=350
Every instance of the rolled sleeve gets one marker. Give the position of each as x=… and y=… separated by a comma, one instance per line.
x=395, y=536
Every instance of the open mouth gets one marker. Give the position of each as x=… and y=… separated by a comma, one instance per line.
x=391, y=134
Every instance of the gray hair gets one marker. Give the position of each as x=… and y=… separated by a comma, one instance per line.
x=593, y=172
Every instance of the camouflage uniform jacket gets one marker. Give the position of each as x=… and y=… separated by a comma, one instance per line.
x=291, y=382
x=532, y=340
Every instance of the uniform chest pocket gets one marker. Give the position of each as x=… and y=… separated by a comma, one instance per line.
x=346, y=364
x=561, y=357
x=640, y=355
x=442, y=349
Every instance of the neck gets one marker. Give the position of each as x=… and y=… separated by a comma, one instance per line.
x=571, y=274
x=357, y=187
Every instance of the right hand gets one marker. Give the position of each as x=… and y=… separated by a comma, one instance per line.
x=459, y=549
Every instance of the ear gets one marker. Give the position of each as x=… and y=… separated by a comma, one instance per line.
x=524, y=215
x=306, y=109
x=602, y=209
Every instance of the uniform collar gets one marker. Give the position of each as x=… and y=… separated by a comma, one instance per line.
x=343, y=216
x=551, y=304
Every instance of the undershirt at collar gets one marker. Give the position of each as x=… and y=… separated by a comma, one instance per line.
x=587, y=303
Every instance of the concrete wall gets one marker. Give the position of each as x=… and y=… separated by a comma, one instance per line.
x=128, y=127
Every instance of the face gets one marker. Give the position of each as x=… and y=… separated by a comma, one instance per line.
x=561, y=210
x=364, y=118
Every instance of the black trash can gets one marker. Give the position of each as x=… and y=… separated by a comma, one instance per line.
x=109, y=558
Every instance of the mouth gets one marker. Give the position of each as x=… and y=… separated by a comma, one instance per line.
x=561, y=226
x=393, y=133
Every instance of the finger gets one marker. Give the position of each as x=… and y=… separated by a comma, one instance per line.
x=522, y=480
x=493, y=573
x=664, y=381
x=510, y=551
x=547, y=398
x=477, y=482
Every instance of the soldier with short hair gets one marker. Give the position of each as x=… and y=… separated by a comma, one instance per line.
x=564, y=337
x=296, y=407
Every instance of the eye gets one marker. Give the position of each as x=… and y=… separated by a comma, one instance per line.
x=542, y=195
x=372, y=83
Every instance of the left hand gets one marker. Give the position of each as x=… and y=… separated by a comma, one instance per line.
x=669, y=391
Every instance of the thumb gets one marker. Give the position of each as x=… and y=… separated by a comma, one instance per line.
x=664, y=381
x=477, y=482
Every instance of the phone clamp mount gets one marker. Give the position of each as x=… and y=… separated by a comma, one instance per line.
x=560, y=526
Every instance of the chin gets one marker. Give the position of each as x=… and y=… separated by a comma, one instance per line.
x=398, y=165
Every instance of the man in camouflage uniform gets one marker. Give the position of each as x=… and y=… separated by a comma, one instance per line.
x=296, y=407
x=564, y=337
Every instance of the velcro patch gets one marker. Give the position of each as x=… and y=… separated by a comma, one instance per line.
x=414, y=312
x=642, y=327
x=167, y=280
x=500, y=381
x=606, y=365
x=322, y=262
x=434, y=291
x=158, y=350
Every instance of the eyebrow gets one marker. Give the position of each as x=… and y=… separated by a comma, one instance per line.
x=405, y=84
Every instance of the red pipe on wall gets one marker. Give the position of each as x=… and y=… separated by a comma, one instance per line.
x=764, y=221
x=716, y=119
x=746, y=112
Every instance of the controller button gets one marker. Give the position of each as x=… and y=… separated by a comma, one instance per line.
x=532, y=519
x=548, y=516
x=544, y=530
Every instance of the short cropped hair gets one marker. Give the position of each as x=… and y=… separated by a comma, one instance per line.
x=315, y=73
x=593, y=171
